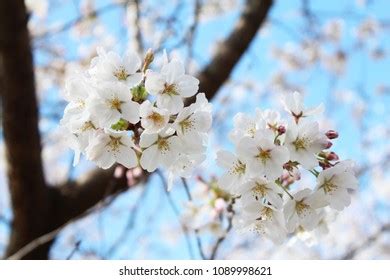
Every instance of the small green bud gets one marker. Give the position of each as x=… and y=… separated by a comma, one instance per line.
x=120, y=125
x=139, y=93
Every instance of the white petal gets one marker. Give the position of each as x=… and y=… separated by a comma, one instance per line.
x=148, y=139
x=130, y=111
x=150, y=158
x=127, y=157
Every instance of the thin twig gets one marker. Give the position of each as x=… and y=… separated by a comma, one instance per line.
x=137, y=24
x=68, y=25
x=176, y=211
x=215, y=248
x=192, y=30
x=75, y=249
x=130, y=222
x=197, y=236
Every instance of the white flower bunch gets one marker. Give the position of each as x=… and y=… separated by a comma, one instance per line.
x=120, y=111
x=207, y=210
x=270, y=154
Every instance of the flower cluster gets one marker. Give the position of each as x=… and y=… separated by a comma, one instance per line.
x=120, y=111
x=207, y=210
x=270, y=154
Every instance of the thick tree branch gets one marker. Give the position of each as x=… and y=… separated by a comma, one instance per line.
x=215, y=74
x=20, y=121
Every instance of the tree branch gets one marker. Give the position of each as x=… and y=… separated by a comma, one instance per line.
x=214, y=75
x=21, y=133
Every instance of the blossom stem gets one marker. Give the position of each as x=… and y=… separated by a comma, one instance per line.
x=284, y=188
x=314, y=172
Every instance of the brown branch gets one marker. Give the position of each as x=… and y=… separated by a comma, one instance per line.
x=21, y=134
x=77, y=197
x=214, y=75
x=137, y=26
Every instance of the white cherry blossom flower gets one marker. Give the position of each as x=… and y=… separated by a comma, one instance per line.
x=271, y=119
x=293, y=103
x=77, y=92
x=194, y=119
x=333, y=185
x=161, y=149
x=245, y=125
x=262, y=156
x=236, y=171
x=299, y=211
x=112, y=103
x=111, y=67
x=108, y=147
x=153, y=119
x=304, y=141
x=264, y=220
x=183, y=166
x=257, y=189
x=171, y=85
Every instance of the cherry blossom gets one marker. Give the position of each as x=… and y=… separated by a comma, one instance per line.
x=108, y=147
x=171, y=85
x=262, y=156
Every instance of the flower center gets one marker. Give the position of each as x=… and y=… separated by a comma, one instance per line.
x=263, y=155
x=238, y=168
x=252, y=130
x=329, y=186
x=170, y=89
x=121, y=74
x=87, y=126
x=81, y=103
x=115, y=143
x=301, y=208
x=259, y=190
x=115, y=104
x=301, y=143
x=156, y=118
x=186, y=125
x=163, y=145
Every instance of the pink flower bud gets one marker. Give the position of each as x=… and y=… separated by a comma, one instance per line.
x=331, y=134
x=119, y=171
x=130, y=178
x=332, y=156
x=328, y=145
x=281, y=129
x=325, y=165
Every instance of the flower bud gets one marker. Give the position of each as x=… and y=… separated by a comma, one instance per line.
x=331, y=134
x=281, y=129
x=328, y=145
x=325, y=165
x=332, y=156
x=119, y=171
x=149, y=57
